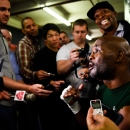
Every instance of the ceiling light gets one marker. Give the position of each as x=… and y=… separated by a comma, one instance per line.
x=88, y=37
x=57, y=16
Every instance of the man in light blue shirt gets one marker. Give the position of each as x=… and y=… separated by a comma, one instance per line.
x=12, y=54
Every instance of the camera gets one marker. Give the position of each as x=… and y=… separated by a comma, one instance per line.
x=82, y=52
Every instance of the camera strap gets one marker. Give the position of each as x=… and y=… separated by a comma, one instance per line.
x=1, y=79
x=1, y=64
x=75, y=66
x=76, y=70
x=86, y=48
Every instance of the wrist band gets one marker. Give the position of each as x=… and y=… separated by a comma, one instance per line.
x=75, y=108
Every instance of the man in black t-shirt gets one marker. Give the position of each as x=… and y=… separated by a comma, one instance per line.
x=52, y=110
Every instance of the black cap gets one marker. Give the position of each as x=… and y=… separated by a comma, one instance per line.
x=100, y=5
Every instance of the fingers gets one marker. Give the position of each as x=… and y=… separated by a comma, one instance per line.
x=92, y=118
x=41, y=74
x=104, y=112
x=73, y=50
x=5, y=92
x=67, y=99
x=65, y=91
x=4, y=95
x=44, y=93
x=40, y=86
x=62, y=81
x=38, y=89
x=89, y=118
x=57, y=83
x=81, y=87
x=74, y=55
x=72, y=91
x=98, y=118
x=83, y=73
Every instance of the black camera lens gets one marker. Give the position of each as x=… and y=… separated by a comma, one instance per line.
x=82, y=53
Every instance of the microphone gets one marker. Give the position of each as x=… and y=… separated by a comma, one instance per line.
x=30, y=97
x=23, y=96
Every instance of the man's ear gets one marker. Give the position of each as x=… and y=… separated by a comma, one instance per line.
x=119, y=56
x=23, y=31
x=45, y=41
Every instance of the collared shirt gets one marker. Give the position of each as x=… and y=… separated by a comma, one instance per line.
x=120, y=31
x=6, y=69
x=15, y=65
x=26, y=51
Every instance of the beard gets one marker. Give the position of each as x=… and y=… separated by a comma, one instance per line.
x=104, y=70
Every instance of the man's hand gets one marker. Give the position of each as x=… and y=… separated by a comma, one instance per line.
x=57, y=84
x=39, y=90
x=74, y=55
x=83, y=73
x=70, y=96
x=41, y=74
x=99, y=122
x=4, y=95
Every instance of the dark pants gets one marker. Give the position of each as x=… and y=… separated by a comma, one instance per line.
x=85, y=104
x=27, y=116
x=54, y=113
x=8, y=117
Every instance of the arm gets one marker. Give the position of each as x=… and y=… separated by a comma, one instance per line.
x=70, y=96
x=63, y=66
x=57, y=84
x=125, y=124
x=36, y=89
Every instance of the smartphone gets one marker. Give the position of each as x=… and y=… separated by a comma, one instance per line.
x=97, y=106
x=113, y=115
x=49, y=87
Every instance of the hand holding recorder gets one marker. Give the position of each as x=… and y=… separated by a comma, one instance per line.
x=98, y=108
x=102, y=122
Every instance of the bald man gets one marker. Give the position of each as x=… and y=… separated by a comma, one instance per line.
x=64, y=39
x=109, y=62
x=8, y=36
